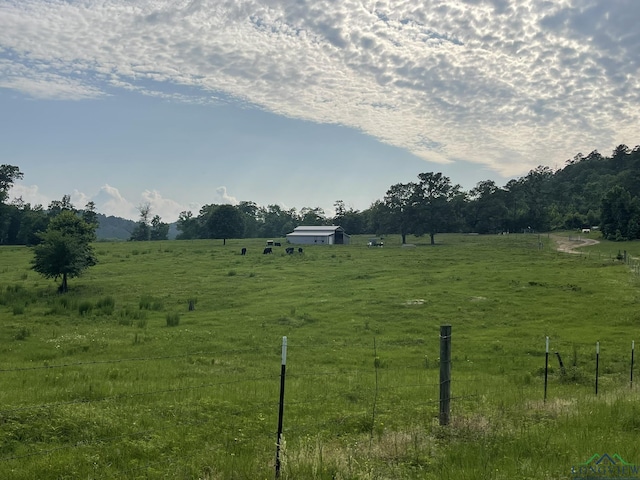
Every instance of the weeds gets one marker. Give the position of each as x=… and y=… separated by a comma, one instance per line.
x=173, y=319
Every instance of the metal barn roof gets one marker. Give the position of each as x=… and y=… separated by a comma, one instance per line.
x=328, y=229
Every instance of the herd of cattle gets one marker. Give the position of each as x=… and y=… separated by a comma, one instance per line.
x=268, y=250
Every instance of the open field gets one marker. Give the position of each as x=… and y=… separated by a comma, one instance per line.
x=119, y=379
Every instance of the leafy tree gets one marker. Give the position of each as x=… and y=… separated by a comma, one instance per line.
x=487, y=211
x=159, y=229
x=435, y=195
x=400, y=214
x=9, y=215
x=33, y=221
x=58, y=206
x=223, y=221
x=65, y=249
x=313, y=216
x=8, y=175
x=374, y=218
x=279, y=222
x=142, y=230
x=90, y=215
x=188, y=225
x=252, y=218
x=348, y=218
x=620, y=215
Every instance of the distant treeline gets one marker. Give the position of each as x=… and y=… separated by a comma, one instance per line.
x=591, y=190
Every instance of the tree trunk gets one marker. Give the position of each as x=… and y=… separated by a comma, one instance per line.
x=404, y=238
x=433, y=238
x=224, y=241
x=64, y=287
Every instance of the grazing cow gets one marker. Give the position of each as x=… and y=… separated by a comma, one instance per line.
x=244, y=251
x=277, y=244
x=300, y=250
x=289, y=250
x=267, y=250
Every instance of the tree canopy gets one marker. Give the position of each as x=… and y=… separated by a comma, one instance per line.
x=65, y=249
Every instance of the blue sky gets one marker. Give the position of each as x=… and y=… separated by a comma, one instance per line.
x=180, y=103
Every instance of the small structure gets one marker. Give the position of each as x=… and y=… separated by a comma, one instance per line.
x=325, y=235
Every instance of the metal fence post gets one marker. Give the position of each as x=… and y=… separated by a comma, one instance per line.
x=281, y=408
x=445, y=374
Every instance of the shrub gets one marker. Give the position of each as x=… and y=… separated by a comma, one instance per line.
x=106, y=302
x=106, y=305
x=173, y=319
x=149, y=303
x=145, y=302
x=18, y=309
x=84, y=308
x=22, y=334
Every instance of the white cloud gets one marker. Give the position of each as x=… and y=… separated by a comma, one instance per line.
x=109, y=201
x=166, y=208
x=505, y=84
x=29, y=194
x=222, y=196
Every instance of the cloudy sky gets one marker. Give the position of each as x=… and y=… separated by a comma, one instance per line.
x=300, y=103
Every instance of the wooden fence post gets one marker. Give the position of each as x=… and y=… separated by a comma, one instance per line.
x=445, y=374
x=546, y=369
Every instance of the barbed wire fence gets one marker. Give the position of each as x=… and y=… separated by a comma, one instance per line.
x=344, y=389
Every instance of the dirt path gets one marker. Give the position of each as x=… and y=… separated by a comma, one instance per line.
x=569, y=244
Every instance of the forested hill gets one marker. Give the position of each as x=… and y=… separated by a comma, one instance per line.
x=116, y=228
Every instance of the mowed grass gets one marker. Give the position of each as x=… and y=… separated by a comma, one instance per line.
x=119, y=378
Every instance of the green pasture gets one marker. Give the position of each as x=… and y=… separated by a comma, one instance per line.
x=119, y=378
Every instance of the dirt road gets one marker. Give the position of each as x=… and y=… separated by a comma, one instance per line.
x=569, y=244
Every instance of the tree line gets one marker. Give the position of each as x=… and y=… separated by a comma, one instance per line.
x=591, y=190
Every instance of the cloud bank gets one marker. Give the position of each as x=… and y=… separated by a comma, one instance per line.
x=505, y=84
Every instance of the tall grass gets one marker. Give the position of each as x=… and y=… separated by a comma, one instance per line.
x=110, y=392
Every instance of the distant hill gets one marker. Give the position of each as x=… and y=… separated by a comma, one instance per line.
x=116, y=228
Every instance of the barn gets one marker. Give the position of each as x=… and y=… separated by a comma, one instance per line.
x=327, y=235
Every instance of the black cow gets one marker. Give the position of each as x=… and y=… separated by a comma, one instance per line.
x=244, y=251
x=267, y=250
x=289, y=250
x=277, y=244
x=300, y=250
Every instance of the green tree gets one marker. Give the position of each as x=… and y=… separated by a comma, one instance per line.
x=33, y=221
x=58, y=206
x=313, y=216
x=8, y=175
x=487, y=211
x=90, y=215
x=253, y=222
x=65, y=249
x=223, y=221
x=620, y=215
x=9, y=214
x=435, y=195
x=400, y=214
x=188, y=225
x=348, y=218
x=159, y=229
x=142, y=230
x=279, y=222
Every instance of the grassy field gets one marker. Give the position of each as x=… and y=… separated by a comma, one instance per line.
x=120, y=379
